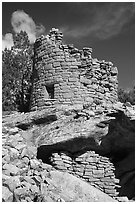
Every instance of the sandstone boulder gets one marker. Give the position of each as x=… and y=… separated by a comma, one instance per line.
x=73, y=189
x=7, y=195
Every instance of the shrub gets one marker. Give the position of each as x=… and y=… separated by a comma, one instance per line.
x=127, y=95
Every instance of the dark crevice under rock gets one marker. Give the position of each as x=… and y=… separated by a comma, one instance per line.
x=72, y=146
x=38, y=121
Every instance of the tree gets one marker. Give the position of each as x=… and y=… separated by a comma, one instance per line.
x=16, y=74
x=127, y=95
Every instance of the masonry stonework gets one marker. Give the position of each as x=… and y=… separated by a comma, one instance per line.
x=62, y=74
x=91, y=167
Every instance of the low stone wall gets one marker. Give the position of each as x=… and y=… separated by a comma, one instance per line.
x=91, y=167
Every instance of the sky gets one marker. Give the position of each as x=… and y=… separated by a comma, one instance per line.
x=107, y=27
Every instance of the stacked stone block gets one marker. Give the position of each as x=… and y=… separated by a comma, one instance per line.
x=89, y=166
x=75, y=77
x=100, y=80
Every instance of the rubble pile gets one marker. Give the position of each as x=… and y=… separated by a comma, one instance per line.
x=23, y=175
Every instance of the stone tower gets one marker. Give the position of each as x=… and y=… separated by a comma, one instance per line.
x=64, y=75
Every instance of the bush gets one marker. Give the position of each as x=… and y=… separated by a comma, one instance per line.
x=127, y=95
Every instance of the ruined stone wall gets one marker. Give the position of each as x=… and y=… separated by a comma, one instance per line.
x=65, y=75
x=91, y=167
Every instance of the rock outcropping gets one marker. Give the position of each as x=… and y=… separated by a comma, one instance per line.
x=92, y=147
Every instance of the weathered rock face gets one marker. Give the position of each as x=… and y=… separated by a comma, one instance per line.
x=67, y=135
x=73, y=189
x=65, y=75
